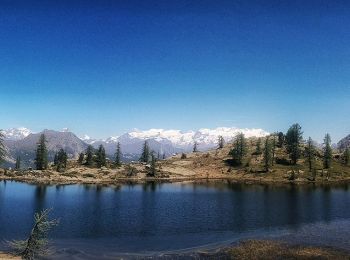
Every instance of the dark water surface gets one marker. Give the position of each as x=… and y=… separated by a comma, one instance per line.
x=148, y=218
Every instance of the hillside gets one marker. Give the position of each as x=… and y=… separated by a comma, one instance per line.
x=213, y=164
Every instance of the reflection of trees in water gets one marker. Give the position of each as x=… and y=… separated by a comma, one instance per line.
x=150, y=186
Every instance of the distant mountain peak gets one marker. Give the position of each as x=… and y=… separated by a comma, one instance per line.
x=16, y=133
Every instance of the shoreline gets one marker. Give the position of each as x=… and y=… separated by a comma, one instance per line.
x=126, y=180
x=242, y=249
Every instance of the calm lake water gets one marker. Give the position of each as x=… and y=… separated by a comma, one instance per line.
x=151, y=218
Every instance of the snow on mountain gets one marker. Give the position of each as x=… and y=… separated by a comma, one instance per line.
x=170, y=141
x=16, y=133
x=204, y=136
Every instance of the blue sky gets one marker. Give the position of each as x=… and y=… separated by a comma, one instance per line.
x=105, y=67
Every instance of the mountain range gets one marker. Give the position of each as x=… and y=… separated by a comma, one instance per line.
x=22, y=142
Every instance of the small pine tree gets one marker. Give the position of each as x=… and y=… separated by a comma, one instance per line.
x=81, y=158
x=55, y=159
x=153, y=168
x=41, y=160
x=89, y=156
x=2, y=148
x=221, y=142
x=37, y=242
x=145, y=153
x=310, y=152
x=258, y=147
x=280, y=141
x=101, y=156
x=61, y=160
x=118, y=155
x=18, y=163
x=239, y=150
x=327, y=152
x=195, y=147
x=164, y=156
x=294, y=139
x=346, y=157
x=268, y=158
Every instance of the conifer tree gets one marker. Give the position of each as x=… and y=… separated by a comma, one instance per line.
x=294, y=139
x=163, y=156
x=239, y=150
x=327, y=152
x=18, y=163
x=62, y=158
x=258, y=147
x=101, y=156
x=118, y=155
x=195, y=147
x=310, y=153
x=2, y=148
x=81, y=158
x=89, y=156
x=41, y=160
x=273, y=147
x=145, y=153
x=346, y=156
x=55, y=159
x=267, y=154
x=152, y=169
x=280, y=141
x=221, y=142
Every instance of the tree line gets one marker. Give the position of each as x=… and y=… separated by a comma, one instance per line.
x=294, y=145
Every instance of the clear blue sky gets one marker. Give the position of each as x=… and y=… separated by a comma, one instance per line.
x=105, y=67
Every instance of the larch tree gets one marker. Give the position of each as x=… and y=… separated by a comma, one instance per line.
x=258, y=147
x=18, y=163
x=145, y=154
x=89, y=156
x=310, y=153
x=81, y=158
x=294, y=138
x=346, y=157
x=267, y=152
x=118, y=155
x=101, y=156
x=239, y=150
x=327, y=152
x=41, y=160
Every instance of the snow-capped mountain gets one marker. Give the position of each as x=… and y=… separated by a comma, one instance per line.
x=172, y=141
x=22, y=142
x=16, y=133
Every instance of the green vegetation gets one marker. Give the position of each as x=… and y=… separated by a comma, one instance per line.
x=258, y=149
x=81, y=158
x=41, y=161
x=61, y=160
x=145, y=153
x=118, y=155
x=268, y=158
x=153, y=168
x=37, y=242
x=239, y=150
x=346, y=157
x=18, y=163
x=294, y=139
x=310, y=153
x=101, y=157
x=327, y=152
x=89, y=156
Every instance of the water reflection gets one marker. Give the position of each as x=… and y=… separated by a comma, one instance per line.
x=152, y=210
